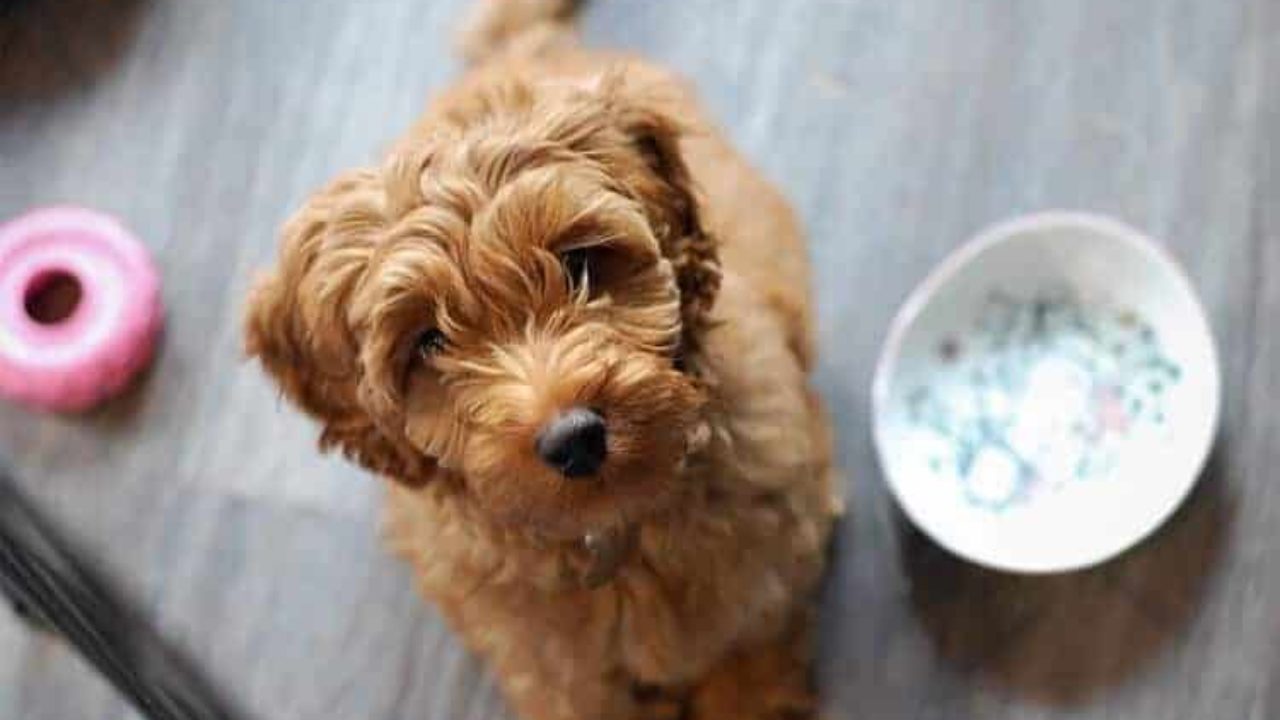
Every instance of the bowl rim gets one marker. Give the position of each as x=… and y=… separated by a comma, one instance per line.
x=992, y=235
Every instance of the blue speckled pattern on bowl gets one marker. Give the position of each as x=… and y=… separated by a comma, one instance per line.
x=1038, y=394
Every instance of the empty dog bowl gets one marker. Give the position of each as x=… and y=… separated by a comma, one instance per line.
x=1048, y=396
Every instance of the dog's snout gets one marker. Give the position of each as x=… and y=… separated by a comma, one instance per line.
x=574, y=443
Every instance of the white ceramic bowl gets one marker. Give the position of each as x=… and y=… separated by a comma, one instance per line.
x=1048, y=396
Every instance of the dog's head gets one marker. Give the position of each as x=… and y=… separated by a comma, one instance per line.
x=512, y=302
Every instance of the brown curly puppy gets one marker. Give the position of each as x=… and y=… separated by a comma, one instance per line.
x=571, y=324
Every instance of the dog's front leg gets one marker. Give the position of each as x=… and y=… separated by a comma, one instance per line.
x=536, y=692
x=550, y=653
x=765, y=681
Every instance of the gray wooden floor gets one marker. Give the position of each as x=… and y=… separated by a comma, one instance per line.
x=898, y=127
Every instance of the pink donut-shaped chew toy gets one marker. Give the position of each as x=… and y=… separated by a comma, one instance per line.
x=80, y=308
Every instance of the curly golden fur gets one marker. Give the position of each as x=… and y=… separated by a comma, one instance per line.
x=679, y=576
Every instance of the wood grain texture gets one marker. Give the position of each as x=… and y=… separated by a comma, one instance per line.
x=897, y=128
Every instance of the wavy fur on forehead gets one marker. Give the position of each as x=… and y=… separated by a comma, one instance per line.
x=537, y=165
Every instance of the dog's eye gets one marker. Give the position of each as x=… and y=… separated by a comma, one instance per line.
x=430, y=343
x=577, y=266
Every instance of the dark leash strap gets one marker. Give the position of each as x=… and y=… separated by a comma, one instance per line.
x=56, y=591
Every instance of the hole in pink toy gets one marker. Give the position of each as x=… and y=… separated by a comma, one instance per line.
x=52, y=297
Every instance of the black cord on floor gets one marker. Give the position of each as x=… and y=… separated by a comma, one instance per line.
x=55, y=591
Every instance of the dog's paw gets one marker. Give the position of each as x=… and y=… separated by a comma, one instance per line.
x=795, y=712
x=654, y=702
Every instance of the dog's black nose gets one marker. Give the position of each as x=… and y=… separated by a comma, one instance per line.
x=573, y=443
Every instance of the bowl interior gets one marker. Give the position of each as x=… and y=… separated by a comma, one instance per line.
x=1048, y=397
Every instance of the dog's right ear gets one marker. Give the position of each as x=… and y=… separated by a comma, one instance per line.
x=673, y=202
x=296, y=323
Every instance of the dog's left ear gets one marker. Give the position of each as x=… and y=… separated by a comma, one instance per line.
x=296, y=324
x=672, y=202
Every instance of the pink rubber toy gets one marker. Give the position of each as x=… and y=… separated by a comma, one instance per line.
x=108, y=315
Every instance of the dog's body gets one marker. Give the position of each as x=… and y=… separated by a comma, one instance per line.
x=682, y=575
